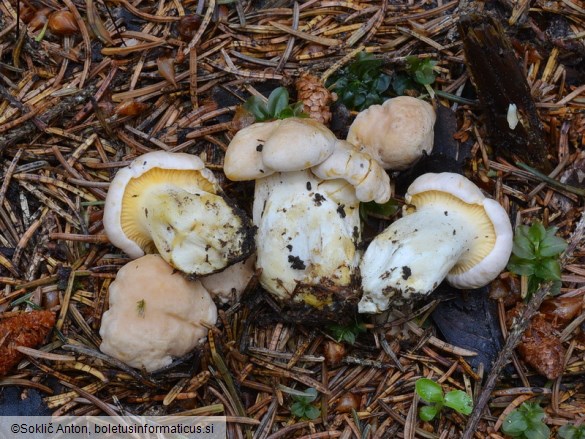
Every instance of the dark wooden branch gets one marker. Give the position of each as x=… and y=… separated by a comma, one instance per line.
x=500, y=81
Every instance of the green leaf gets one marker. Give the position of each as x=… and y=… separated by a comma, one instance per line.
x=460, y=401
x=424, y=77
x=298, y=409
x=386, y=210
x=428, y=412
x=428, y=390
x=312, y=412
x=548, y=269
x=256, y=106
x=536, y=233
x=381, y=83
x=348, y=333
x=537, y=431
x=533, y=412
x=311, y=395
x=552, y=246
x=401, y=83
x=277, y=101
x=515, y=424
x=521, y=266
x=569, y=431
x=523, y=247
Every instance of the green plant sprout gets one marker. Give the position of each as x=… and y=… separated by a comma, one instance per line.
x=348, y=333
x=362, y=83
x=526, y=422
x=535, y=254
x=380, y=211
x=302, y=406
x=432, y=393
x=569, y=431
x=277, y=106
x=419, y=72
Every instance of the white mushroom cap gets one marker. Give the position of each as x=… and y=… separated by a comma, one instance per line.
x=482, y=264
x=395, y=133
x=286, y=145
x=169, y=203
x=229, y=284
x=155, y=314
x=364, y=173
x=450, y=230
x=243, y=159
x=298, y=144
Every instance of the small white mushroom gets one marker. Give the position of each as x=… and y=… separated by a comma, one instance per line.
x=155, y=314
x=306, y=206
x=395, y=133
x=171, y=204
x=228, y=285
x=450, y=230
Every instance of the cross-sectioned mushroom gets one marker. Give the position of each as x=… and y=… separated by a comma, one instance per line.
x=449, y=230
x=156, y=314
x=306, y=207
x=396, y=133
x=171, y=204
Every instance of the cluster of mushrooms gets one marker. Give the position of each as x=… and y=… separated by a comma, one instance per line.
x=304, y=238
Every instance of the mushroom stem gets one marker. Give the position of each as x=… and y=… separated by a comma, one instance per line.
x=194, y=231
x=307, y=235
x=413, y=256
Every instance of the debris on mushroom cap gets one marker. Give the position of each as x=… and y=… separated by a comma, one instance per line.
x=306, y=207
x=450, y=230
x=171, y=204
x=395, y=133
x=228, y=285
x=155, y=314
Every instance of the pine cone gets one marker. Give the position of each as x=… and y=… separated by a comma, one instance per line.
x=28, y=330
x=315, y=97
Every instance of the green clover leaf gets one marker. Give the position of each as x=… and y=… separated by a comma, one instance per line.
x=428, y=390
x=460, y=401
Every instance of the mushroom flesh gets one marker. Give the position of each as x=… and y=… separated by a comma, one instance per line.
x=171, y=204
x=449, y=230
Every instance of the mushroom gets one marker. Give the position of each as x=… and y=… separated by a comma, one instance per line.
x=171, y=204
x=396, y=133
x=450, y=229
x=306, y=207
x=228, y=285
x=155, y=314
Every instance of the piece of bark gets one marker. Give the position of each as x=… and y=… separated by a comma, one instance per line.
x=28, y=330
x=500, y=81
x=470, y=321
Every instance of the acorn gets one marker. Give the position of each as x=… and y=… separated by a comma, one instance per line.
x=63, y=23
